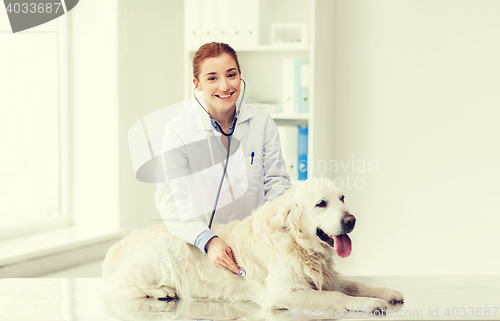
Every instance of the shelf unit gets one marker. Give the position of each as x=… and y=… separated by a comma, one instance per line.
x=269, y=48
x=261, y=65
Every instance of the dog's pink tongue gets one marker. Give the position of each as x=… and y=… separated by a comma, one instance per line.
x=342, y=245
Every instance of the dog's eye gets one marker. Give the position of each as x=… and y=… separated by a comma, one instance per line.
x=321, y=203
x=342, y=198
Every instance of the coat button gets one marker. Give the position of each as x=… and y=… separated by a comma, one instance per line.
x=232, y=217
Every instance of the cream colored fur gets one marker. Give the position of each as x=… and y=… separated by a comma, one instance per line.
x=287, y=265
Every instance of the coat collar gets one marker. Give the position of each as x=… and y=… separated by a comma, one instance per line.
x=204, y=122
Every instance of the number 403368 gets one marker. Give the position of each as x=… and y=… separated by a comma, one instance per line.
x=33, y=7
x=485, y=312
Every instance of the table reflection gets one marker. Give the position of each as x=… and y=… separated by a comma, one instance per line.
x=154, y=309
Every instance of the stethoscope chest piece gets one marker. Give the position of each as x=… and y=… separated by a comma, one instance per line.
x=242, y=273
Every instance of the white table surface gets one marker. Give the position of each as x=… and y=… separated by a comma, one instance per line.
x=78, y=299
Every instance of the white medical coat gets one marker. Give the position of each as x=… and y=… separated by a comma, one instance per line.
x=193, y=161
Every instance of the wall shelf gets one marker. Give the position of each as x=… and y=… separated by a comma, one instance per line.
x=262, y=65
x=290, y=116
x=266, y=48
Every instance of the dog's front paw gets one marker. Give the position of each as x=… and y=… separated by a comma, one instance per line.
x=368, y=304
x=390, y=295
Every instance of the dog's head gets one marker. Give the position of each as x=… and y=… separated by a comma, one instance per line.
x=316, y=209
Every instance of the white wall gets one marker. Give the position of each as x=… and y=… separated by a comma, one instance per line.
x=29, y=130
x=416, y=88
x=151, y=74
x=93, y=39
x=127, y=61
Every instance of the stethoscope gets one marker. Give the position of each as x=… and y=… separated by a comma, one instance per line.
x=229, y=134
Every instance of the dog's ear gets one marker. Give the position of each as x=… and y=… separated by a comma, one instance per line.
x=288, y=212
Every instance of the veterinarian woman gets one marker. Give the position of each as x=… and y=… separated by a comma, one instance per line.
x=197, y=151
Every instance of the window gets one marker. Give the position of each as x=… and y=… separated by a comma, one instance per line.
x=30, y=129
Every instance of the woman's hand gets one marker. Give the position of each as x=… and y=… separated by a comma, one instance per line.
x=220, y=254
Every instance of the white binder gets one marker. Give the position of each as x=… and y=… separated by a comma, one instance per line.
x=305, y=74
x=235, y=22
x=209, y=20
x=192, y=24
x=288, y=94
x=249, y=22
x=289, y=148
x=226, y=10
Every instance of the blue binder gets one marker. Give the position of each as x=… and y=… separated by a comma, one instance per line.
x=302, y=151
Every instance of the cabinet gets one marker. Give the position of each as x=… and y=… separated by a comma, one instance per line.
x=262, y=63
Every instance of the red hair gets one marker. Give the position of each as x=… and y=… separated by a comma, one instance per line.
x=212, y=50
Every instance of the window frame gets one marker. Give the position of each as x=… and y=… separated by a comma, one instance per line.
x=64, y=217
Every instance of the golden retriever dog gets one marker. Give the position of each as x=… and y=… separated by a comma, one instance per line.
x=287, y=248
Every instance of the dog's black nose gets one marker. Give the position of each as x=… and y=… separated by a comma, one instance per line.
x=348, y=223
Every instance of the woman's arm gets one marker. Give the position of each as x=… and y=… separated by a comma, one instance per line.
x=172, y=194
x=221, y=255
x=170, y=208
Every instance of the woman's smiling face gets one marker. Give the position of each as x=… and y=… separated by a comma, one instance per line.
x=220, y=81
